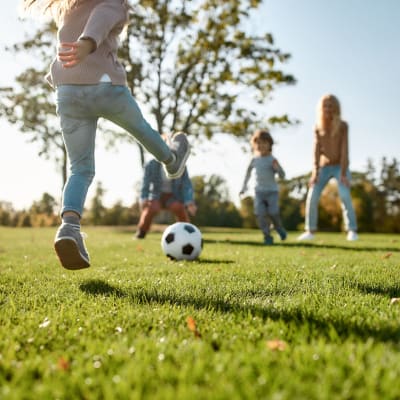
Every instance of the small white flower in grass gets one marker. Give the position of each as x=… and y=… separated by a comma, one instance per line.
x=45, y=323
x=118, y=329
x=97, y=364
x=261, y=381
x=161, y=357
x=394, y=300
x=116, y=379
x=132, y=350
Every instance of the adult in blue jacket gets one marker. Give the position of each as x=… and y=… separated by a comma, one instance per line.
x=158, y=192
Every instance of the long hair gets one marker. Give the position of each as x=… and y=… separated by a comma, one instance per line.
x=58, y=8
x=321, y=124
x=55, y=8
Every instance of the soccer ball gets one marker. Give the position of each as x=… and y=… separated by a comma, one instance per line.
x=182, y=241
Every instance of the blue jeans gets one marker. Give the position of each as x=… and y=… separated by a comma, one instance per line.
x=314, y=193
x=79, y=108
x=266, y=209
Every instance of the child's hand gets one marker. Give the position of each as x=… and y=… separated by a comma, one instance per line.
x=72, y=53
x=192, y=209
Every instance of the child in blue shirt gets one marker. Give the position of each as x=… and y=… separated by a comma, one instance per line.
x=266, y=200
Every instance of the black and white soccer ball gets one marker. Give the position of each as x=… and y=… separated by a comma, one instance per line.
x=182, y=241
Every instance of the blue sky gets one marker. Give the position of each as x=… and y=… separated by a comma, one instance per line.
x=346, y=47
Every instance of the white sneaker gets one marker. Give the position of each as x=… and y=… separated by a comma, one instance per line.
x=307, y=235
x=352, y=236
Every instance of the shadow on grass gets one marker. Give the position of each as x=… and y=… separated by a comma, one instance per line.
x=98, y=287
x=315, y=245
x=388, y=291
x=330, y=327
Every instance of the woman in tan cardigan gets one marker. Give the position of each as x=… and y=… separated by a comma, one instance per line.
x=331, y=160
x=90, y=83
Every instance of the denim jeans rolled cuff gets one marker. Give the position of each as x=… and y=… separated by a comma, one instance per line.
x=314, y=194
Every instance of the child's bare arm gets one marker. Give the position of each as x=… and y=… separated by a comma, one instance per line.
x=278, y=168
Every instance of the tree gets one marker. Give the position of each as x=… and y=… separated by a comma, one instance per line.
x=45, y=205
x=214, y=206
x=6, y=213
x=190, y=63
x=290, y=208
x=30, y=103
x=97, y=209
x=196, y=69
x=247, y=212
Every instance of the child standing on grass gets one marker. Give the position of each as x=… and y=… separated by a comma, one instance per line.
x=266, y=200
x=90, y=83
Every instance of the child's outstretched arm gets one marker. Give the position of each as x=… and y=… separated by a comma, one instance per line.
x=246, y=178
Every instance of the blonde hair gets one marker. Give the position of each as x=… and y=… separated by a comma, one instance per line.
x=57, y=8
x=336, y=120
x=261, y=135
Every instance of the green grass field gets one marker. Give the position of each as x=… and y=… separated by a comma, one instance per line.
x=308, y=321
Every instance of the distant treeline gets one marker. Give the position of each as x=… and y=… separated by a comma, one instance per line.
x=375, y=193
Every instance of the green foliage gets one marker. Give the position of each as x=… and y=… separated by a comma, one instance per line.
x=46, y=205
x=293, y=321
x=118, y=214
x=30, y=104
x=247, y=212
x=214, y=206
x=191, y=63
x=290, y=208
x=197, y=69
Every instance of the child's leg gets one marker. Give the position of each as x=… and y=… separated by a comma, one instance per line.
x=263, y=224
x=146, y=218
x=313, y=196
x=116, y=104
x=349, y=215
x=79, y=133
x=274, y=214
x=179, y=210
x=260, y=210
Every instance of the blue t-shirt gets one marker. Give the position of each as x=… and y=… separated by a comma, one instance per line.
x=264, y=174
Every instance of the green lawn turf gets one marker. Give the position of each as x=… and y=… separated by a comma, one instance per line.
x=315, y=320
